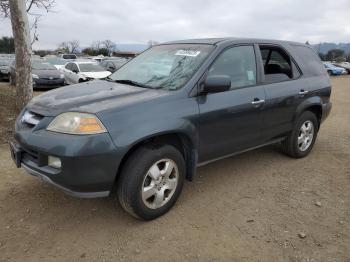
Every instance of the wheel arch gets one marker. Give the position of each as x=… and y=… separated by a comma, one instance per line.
x=314, y=105
x=180, y=140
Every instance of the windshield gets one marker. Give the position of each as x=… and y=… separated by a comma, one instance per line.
x=72, y=56
x=166, y=67
x=56, y=61
x=5, y=62
x=91, y=67
x=42, y=66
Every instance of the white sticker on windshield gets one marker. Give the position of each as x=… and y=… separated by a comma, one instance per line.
x=187, y=52
x=250, y=75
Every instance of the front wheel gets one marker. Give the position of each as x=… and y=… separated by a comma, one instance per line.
x=11, y=80
x=151, y=181
x=300, y=141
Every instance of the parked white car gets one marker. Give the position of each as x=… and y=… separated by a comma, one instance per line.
x=81, y=71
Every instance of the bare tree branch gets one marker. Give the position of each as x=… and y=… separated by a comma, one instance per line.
x=30, y=5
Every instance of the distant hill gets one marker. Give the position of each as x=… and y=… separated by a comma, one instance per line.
x=325, y=47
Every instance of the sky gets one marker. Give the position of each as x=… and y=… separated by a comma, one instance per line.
x=138, y=21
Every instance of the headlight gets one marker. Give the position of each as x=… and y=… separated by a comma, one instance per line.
x=61, y=75
x=76, y=123
x=35, y=76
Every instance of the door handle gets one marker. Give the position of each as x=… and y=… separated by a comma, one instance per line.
x=303, y=92
x=258, y=101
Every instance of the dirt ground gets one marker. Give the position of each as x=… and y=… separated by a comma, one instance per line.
x=250, y=207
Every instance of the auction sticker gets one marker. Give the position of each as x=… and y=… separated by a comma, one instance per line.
x=187, y=52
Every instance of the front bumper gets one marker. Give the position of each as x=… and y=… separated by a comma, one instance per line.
x=326, y=109
x=4, y=75
x=43, y=82
x=89, y=163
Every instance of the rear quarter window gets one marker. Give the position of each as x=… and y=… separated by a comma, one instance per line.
x=311, y=63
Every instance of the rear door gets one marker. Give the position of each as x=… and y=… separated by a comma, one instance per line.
x=284, y=91
x=231, y=121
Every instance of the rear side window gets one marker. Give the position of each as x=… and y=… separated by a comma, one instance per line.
x=69, y=56
x=239, y=64
x=278, y=65
x=69, y=66
x=311, y=61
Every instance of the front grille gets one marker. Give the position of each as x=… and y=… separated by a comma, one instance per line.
x=31, y=119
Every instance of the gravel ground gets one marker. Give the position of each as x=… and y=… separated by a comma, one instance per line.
x=258, y=206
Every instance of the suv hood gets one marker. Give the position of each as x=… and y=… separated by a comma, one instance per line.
x=92, y=97
x=96, y=75
x=42, y=73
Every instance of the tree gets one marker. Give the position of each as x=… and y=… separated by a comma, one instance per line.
x=23, y=50
x=335, y=54
x=17, y=10
x=69, y=47
x=7, y=45
x=109, y=46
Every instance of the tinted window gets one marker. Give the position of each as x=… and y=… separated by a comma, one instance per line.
x=69, y=56
x=69, y=66
x=311, y=61
x=74, y=68
x=276, y=62
x=239, y=64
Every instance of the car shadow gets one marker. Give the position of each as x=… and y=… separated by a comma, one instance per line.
x=40, y=202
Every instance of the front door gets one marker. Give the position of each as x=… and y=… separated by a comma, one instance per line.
x=231, y=121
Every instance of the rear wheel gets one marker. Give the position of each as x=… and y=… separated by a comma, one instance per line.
x=151, y=181
x=301, y=140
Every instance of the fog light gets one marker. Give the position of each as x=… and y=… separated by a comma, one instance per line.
x=54, y=162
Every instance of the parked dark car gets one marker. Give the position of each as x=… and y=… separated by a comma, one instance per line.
x=44, y=75
x=5, y=68
x=174, y=107
x=113, y=65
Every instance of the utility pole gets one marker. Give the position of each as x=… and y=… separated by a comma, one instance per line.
x=23, y=50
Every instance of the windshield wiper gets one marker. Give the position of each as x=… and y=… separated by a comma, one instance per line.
x=130, y=82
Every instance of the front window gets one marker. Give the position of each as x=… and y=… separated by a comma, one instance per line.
x=239, y=64
x=91, y=67
x=166, y=67
x=42, y=66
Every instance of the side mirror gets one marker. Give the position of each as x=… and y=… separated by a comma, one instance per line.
x=75, y=71
x=216, y=84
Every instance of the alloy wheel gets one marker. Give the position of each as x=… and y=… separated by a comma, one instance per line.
x=160, y=183
x=306, y=135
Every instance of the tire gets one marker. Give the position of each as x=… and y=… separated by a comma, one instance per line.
x=296, y=145
x=12, y=82
x=136, y=178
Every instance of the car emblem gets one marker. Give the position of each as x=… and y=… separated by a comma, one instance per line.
x=50, y=77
